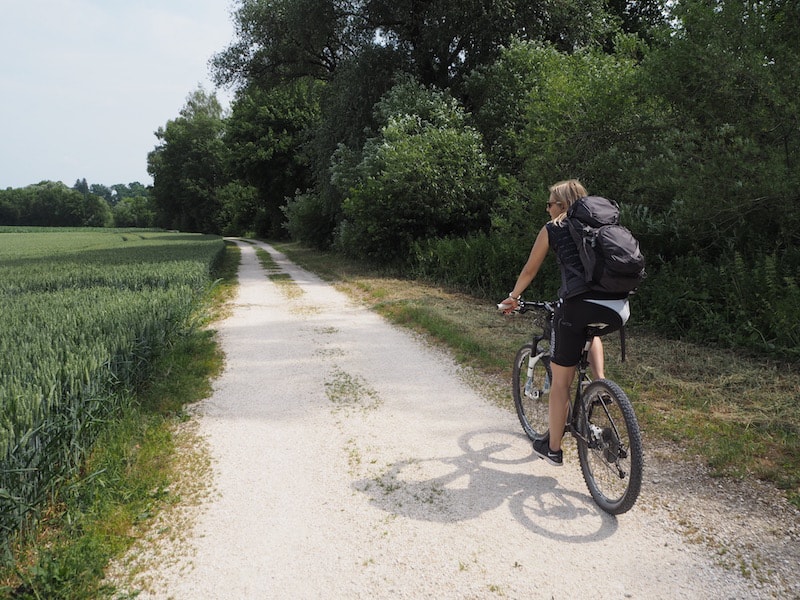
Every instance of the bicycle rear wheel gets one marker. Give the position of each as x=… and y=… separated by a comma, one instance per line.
x=610, y=446
x=531, y=390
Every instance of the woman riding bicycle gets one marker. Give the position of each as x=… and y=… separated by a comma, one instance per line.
x=577, y=307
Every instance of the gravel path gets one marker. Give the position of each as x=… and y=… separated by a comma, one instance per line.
x=349, y=459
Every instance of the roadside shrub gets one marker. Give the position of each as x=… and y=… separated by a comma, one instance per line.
x=733, y=303
x=482, y=265
x=310, y=220
x=424, y=177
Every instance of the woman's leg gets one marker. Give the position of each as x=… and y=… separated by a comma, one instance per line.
x=597, y=359
x=559, y=403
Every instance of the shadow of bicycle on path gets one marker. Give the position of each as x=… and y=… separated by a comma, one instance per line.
x=496, y=468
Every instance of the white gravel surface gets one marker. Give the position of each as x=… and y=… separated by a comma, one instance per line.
x=350, y=459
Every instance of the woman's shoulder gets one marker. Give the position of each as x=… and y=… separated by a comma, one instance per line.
x=557, y=224
x=555, y=229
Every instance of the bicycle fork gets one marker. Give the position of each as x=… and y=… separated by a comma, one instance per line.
x=530, y=392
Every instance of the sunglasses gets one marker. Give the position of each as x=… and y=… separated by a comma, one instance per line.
x=549, y=204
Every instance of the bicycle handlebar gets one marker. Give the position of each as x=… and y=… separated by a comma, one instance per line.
x=524, y=306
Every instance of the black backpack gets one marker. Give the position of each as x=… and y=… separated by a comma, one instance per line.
x=611, y=258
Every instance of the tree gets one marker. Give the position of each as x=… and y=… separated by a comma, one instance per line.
x=646, y=19
x=548, y=115
x=441, y=41
x=241, y=212
x=423, y=177
x=280, y=40
x=10, y=207
x=346, y=118
x=187, y=166
x=134, y=211
x=104, y=192
x=359, y=48
x=131, y=190
x=445, y=40
x=97, y=212
x=728, y=77
x=81, y=186
x=53, y=204
x=266, y=136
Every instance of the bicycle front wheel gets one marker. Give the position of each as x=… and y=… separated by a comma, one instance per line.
x=531, y=388
x=610, y=446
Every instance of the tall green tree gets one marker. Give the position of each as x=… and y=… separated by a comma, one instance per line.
x=267, y=134
x=445, y=40
x=424, y=176
x=732, y=133
x=279, y=40
x=187, y=166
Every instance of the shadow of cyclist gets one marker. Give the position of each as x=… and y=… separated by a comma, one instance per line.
x=493, y=469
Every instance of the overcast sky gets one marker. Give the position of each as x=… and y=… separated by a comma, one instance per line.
x=84, y=84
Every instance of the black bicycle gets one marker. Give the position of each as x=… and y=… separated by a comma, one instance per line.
x=601, y=417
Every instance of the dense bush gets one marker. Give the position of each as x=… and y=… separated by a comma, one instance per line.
x=730, y=303
x=310, y=219
x=424, y=176
x=452, y=262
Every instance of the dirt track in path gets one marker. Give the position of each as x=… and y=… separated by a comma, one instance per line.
x=350, y=459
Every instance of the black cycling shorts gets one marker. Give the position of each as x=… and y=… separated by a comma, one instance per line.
x=569, y=328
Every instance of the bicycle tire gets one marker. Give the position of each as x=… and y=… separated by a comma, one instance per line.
x=610, y=446
x=532, y=398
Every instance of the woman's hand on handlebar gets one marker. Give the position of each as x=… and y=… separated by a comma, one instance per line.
x=508, y=305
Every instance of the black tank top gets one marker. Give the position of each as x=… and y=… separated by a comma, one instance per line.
x=569, y=261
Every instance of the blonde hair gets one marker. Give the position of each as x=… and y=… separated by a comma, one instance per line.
x=565, y=193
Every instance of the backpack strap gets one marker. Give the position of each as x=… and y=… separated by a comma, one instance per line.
x=577, y=237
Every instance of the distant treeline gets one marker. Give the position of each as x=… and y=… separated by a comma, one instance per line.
x=53, y=204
